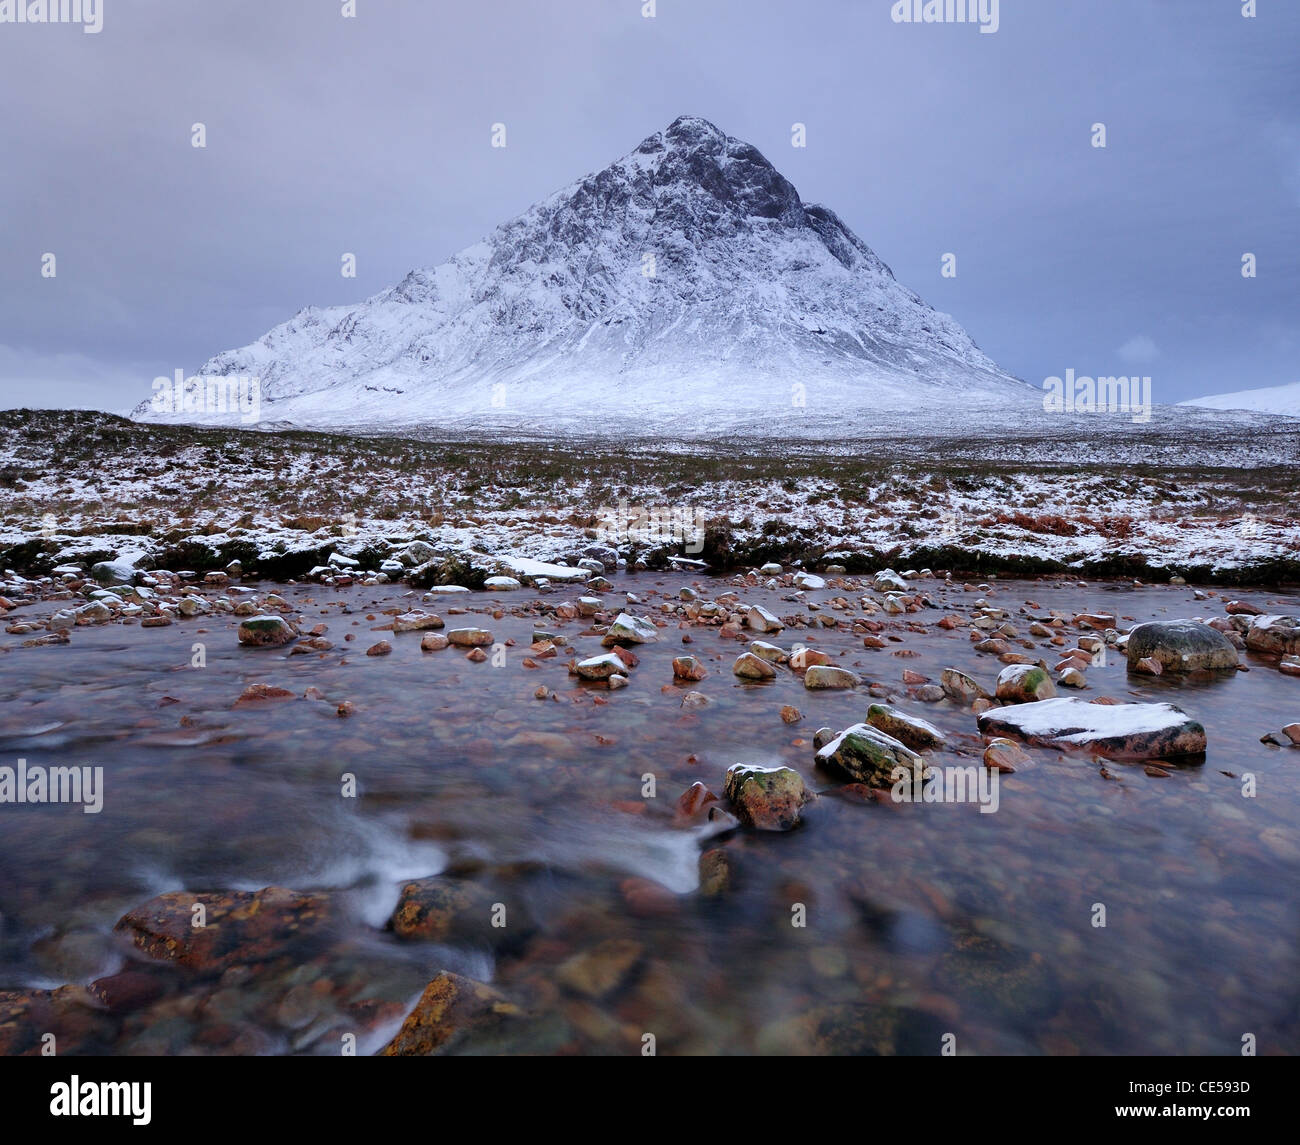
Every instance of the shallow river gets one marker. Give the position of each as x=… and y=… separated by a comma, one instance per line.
x=920, y=920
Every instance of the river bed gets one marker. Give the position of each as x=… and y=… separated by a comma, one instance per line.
x=920, y=923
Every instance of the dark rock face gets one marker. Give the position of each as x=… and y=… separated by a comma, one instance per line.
x=700, y=163
x=294, y=563
x=1181, y=646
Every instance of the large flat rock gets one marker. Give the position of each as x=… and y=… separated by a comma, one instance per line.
x=1122, y=731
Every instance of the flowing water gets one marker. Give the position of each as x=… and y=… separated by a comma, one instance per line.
x=919, y=921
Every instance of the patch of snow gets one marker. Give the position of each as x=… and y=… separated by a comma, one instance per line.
x=1080, y=722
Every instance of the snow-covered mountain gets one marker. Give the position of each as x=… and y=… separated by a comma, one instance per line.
x=685, y=288
x=1271, y=399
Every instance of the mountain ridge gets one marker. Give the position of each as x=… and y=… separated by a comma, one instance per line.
x=1282, y=401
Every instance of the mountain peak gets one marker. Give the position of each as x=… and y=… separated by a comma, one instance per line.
x=696, y=156
x=685, y=284
x=694, y=129
x=686, y=133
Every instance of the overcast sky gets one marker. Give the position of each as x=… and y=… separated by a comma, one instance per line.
x=371, y=135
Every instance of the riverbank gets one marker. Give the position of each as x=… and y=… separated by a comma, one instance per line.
x=79, y=488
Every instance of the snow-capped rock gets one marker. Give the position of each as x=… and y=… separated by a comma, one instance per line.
x=1276, y=634
x=1122, y=731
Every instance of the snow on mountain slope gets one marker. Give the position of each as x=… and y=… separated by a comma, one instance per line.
x=685, y=288
x=1283, y=400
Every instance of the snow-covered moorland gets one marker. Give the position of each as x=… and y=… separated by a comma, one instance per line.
x=81, y=487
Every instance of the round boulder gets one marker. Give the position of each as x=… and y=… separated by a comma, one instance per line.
x=1024, y=684
x=1181, y=646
